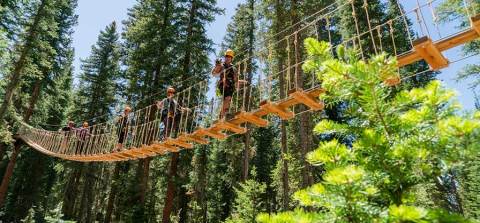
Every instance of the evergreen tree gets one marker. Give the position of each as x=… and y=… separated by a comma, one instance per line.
x=100, y=78
x=156, y=59
x=97, y=93
x=50, y=77
x=248, y=202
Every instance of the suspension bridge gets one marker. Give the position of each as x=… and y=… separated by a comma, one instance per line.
x=253, y=103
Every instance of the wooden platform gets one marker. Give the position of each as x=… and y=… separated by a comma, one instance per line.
x=443, y=45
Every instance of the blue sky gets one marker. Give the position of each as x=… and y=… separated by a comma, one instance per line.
x=96, y=15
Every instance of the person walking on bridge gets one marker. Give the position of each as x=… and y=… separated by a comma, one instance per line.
x=228, y=82
x=170, y=113
x=123, y=123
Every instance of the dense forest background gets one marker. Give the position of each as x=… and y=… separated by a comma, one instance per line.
x=164, y=43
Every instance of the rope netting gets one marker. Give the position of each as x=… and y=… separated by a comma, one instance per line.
x=197, y=108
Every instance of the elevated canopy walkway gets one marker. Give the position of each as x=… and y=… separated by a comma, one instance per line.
x=282, y=93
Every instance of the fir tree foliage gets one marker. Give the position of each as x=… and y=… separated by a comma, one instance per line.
x=100, y=78
x=248, y=202
x=400, y=142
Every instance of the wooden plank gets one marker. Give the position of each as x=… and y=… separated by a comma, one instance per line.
x=283, y=113
x=211, y=133
x=247, y=117
x=442, y=45
x=260, y=112
x=315, y=92
x=167, y=148
x=134, y=151
x=134, y=154
x=179, y=143
x=475, y=23
x=121, y=156
x=224, y=125
x=430, y=53
x=145, y=151
x=127, y=154
x=193, y=138
x=152, y=149
x=304, y=98
x=158, y=148
x=456, y=40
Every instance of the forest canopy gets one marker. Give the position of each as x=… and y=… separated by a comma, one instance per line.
x=306, y=111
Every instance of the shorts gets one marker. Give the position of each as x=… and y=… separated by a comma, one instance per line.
x=227, y=92
x=121, y=137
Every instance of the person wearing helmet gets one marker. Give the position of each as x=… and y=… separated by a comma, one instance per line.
x=228, y=81
x=170, y=113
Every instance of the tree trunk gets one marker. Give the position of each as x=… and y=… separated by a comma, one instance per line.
x=305, y=131
x=19, y=66
x=34, y=97
x=113, y=193
x=167, y=209
x=71, y=192
x=188, y=54
x=251, y=39
x=86, y=204
x=281, y=62
x=9, y=171
x=143, y=170
x=246, y=156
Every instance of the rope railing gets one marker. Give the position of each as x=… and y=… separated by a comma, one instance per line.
x=193, y=113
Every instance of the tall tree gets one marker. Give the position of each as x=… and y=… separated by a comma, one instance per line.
x=48, y=86
x=43, y=42
x=97, y=95
x=38, y=25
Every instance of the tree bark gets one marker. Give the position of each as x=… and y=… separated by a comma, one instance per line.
x=113, y=193
x=19, y=66
x=16, y=148
x=281, y=62
x=188, y=53
x=87, y=201
x=143, y=170
x=305, y=130
x=9, y=171
x=71, y=192
x=251, y=39
x=172, y=173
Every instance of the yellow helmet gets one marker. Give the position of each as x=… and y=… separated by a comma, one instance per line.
x=230, y=53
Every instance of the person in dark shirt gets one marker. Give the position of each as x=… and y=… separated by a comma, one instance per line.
x=123, y=123
x=170, y=113
x=67, y=132
x=228, y=82
x=82, y=134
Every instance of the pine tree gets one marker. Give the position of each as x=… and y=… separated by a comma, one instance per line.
x=248, y=202
x=99, y=85
x=156, y=59
x=36, y=36
x=99, y=81
x=48, y=91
